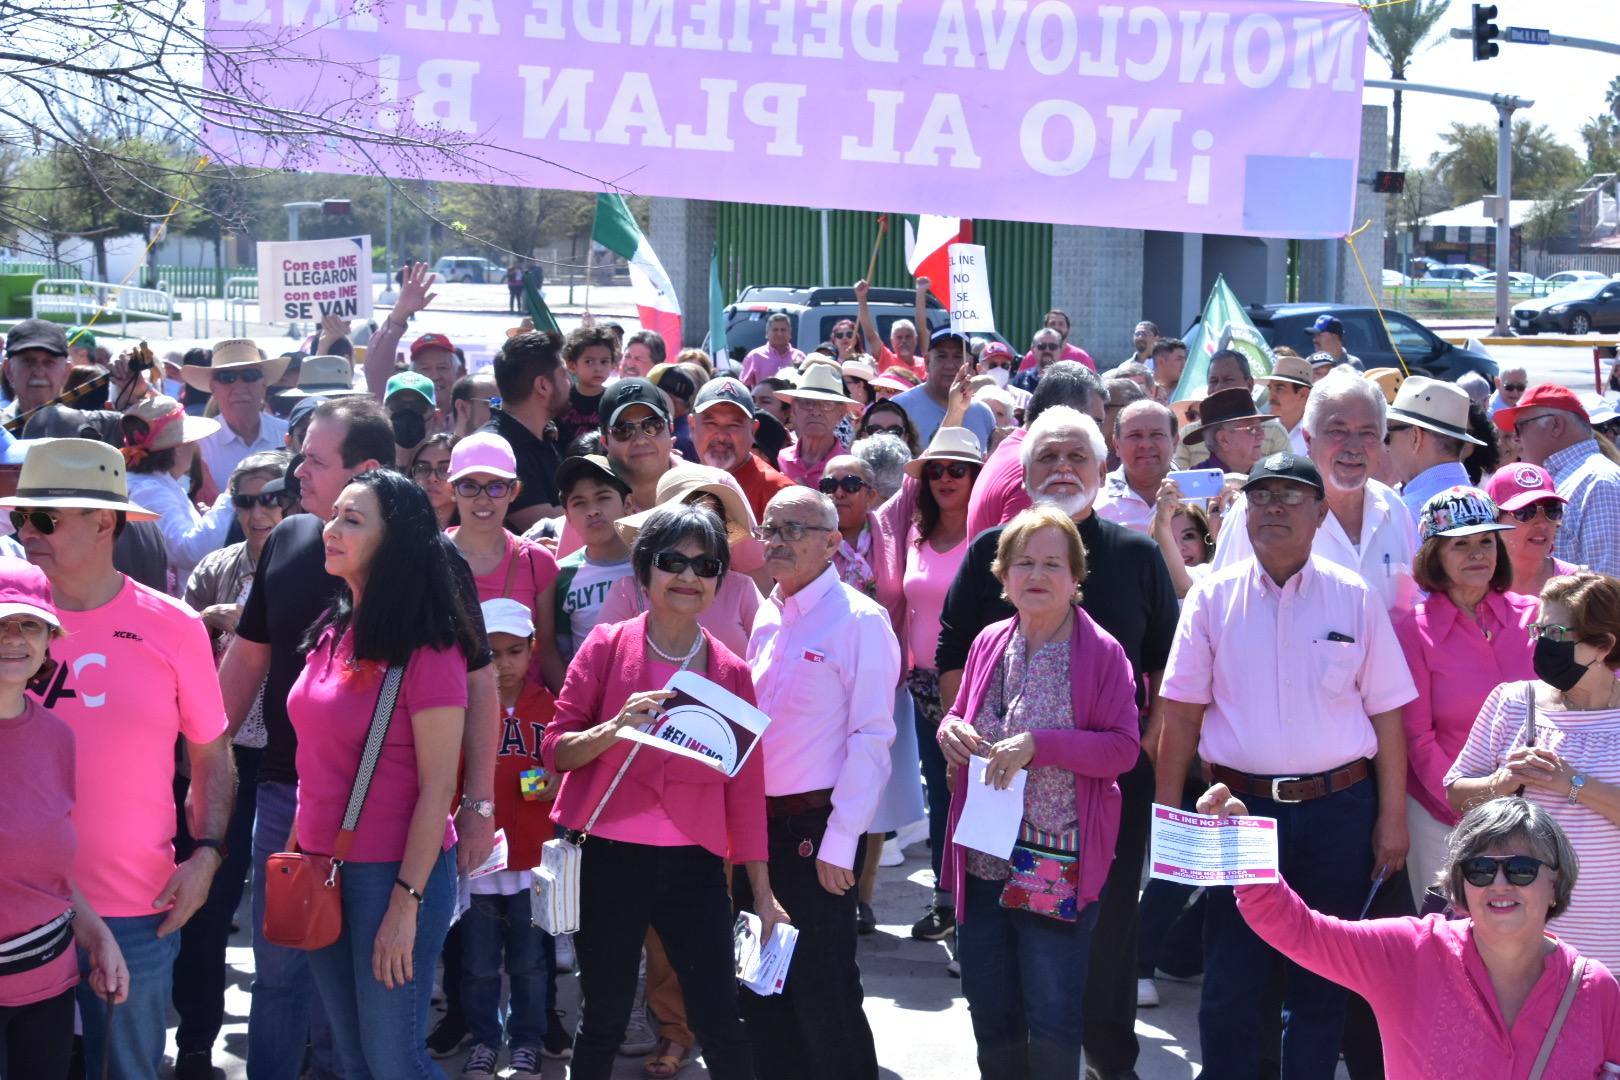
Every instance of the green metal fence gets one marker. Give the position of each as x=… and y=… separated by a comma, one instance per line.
x=43, y=269
x=781, y=245
x=192, y=281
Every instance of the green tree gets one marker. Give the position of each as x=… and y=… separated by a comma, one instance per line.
x=1468, y=165
x=1396, y=34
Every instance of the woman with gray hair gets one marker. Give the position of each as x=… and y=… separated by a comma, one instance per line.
x=1488, y=993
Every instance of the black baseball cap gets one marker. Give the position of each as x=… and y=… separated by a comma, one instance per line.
x=724, y=391
x=592, y=465
x=627, y=392
x=1327, y=324
x=37, y=334
x=673, y=381
x=946, y=332
x=1284, y=465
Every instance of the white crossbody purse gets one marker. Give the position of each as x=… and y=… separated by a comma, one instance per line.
x=556, y=880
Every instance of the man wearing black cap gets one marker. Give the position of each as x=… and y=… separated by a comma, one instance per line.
x=1232, y=430
x=723, y=426
x=1328, y=335
x=1287, y=679
x=534, y=387
x=926, y=404
x=637, y=438
x=36, y=365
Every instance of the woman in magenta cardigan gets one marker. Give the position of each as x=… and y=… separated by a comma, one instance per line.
x=1475, y=996
x=1470, y=636
x=658, y=854
x=1050, y=691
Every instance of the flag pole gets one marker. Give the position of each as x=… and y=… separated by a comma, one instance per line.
x=590, y=252
x=883, y=227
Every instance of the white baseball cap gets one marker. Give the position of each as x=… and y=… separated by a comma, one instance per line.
x=506, y=616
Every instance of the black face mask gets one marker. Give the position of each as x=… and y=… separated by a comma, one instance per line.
x=409, y=428
x=1554, y=663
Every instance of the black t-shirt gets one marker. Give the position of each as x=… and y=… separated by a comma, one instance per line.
x=584, y=414
x=537, y=461
x=290, y=591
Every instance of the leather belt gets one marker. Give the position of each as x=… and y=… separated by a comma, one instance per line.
x=1291, y=789
x=780, y=806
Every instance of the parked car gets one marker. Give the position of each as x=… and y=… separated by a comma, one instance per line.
x=1517, y=279
x=815, y=311
x=1576, y=309
x=1394, y=279
x=1424, y=351
x=467, y=269
x=1455, y=272
x=1573, y=277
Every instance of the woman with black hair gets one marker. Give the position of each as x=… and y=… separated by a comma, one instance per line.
x=887, y=418
x=399, y=605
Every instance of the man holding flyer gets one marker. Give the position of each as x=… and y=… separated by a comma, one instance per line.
x=825, y=663
x=1287, y=679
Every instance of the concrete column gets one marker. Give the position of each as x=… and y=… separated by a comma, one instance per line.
x=682, y=233
x=1097, y=279
x=1369, y=207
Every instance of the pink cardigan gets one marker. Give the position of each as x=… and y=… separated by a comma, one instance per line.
x=1429, y=988
x=726, y=817
x=1103, y=743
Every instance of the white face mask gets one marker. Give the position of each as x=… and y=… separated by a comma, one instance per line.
x=999, y=374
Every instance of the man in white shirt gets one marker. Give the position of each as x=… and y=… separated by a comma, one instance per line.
x=1511, y=384
x=238, y=376
x=825, y=663
x=1145, y=436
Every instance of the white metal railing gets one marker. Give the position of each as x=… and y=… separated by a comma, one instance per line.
x=241, y=303
x=82, y=300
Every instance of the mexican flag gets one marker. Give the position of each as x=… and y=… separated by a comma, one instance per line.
x=927, y=237
x=1225, y=325
x=656, y=304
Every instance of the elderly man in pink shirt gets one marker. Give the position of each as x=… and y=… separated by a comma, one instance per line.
x=825, y=663
x=777, y=352
x=1287, y=679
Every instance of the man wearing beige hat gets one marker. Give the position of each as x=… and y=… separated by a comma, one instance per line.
x=324, y=376
x=816, y=404
x=1290, y=385
x=133, y=675
x=1426, y=430
x=238, y=376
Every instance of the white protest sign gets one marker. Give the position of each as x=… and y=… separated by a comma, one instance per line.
x=970, y=289
x=303, y=280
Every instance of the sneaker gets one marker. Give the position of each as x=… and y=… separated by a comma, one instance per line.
x=1147, y=994
x=448, y=1036
x=640, y=1034
x=481, y=1063
x=558, y=1043
x=865, y=920
x=525, y=1063
x=938, y=924
x=891, y=855
x=915, y=833
x=194, y=1065
x=566, y=960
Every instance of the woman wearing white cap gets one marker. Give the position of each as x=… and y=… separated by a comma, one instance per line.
x=160, y=442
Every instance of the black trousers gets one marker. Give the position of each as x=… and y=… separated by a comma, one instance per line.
x=36, y=1041
x=681, y=892
x=1110, y=1010
x=816, y=1027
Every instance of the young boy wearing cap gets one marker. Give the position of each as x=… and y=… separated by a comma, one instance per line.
x=593, y=499
x=498, y=920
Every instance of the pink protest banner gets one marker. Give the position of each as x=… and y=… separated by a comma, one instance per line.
x=1220, y=116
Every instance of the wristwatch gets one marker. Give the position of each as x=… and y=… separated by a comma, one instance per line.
x=1576, y=783
x=484, y=808
x=218, y=845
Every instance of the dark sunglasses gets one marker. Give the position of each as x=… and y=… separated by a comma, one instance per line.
x=422, y=470
x=1514, y=387
x=850, y=484
x=883, y=429
x=1392, y=430
x=1480, y=871
x=1048, y=348
x=673, y=562
x=651, y=426
x=1554, y=511
x=936, y=470
x=43, y=521
x=469, y=489
x=844, y=334
x=228, y=378
x=263, y=498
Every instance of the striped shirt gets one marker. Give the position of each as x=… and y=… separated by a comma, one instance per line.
x=1590, y=535
x=1590, y=742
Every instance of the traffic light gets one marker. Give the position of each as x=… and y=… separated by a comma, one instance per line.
x=335, y=206
x=1485, y=32
x=1389, y=183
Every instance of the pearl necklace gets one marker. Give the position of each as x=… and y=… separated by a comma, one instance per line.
x=681, y=660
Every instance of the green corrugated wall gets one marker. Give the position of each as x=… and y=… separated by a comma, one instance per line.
x=781, y=245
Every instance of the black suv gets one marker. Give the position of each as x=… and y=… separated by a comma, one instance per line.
x=1364, y=337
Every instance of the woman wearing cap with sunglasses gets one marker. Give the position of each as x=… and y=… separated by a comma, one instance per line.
x=1464, y=640
x=1527, y=501
x=483, y=479
x=1479, y=994
x=659, y=849
x=1566, y=757
x=42, y=913
x=160, y=442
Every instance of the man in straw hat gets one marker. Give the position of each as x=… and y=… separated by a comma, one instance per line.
x=238, y=377
x=323, y=376
x=926, y=404
x=134, y=674
x=1290, y=385
x=815, y=405
x=1426, y=430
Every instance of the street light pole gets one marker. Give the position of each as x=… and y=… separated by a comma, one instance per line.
x=292, y=209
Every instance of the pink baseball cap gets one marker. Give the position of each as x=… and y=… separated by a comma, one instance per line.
x=1513, y=487
x=483, y=452
x=24, y=591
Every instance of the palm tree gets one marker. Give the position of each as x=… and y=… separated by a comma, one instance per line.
x=1397, y=33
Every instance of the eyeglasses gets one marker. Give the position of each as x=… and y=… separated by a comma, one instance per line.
x=1553, y=511
x=263, y=498
x=650, y=426
x=673, y=562
x=43, y=521
x=1048, y=347
x=841, y=334
x=936, y=470
x=1392, y=430
x=469, y=489
x=1551, y=631
x=422, y=470
x=896, y=430
x=1519, y=425
x=1480, y=871
x=1287, y=496
x=229, y=378
x=812, y=405
x=790, y=531
x=849, y=484
x=1514, y=387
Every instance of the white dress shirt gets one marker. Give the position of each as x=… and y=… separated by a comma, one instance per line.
x=825, y=663
x=224, y=450
x=187, y=535
x=1118, y=502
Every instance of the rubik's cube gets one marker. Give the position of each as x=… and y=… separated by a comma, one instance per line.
x=532, y=783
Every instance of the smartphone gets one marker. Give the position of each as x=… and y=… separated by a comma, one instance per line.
x=1199, y=483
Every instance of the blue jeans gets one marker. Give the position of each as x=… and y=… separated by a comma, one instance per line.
x=1024, y=977
x=492, y=925
x=1169, y=932
x=378, y=1033
x=1325, y=849
x=135, y=1043
x=286, y=1013
x=939, y=794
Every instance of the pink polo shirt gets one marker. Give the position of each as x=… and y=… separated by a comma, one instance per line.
x=1070, y=352
x=1287, y=695
x=1429, y=988
x=1455, y=664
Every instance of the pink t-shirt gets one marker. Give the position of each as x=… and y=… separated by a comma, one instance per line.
x=730, y=618
x=536, y=569
x=136, y=673
x=929, y=574
x=330, y=707
x=37, y=844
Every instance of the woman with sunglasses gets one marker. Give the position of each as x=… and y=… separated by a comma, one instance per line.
x=483, y=480
x=659, y=849
x=887, y=418
x=160, y=443
x=1527, y=500
x=1461, y=642
x=1556, y=740
x=1477, y=994
x=430, y=468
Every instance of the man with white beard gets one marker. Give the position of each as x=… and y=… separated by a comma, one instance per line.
x=723, y=427
x=1128, y=592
